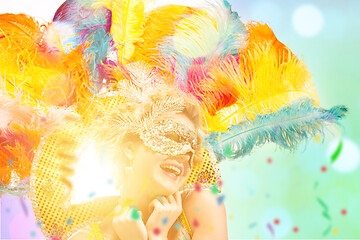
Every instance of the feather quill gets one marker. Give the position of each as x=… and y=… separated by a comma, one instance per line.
x=127, y=25
x=286, y=127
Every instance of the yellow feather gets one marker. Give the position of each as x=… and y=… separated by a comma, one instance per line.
x=159, y=24
x=260, y=82
x=127, y=25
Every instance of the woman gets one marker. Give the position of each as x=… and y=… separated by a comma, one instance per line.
x=251, y=87
x=155, y=140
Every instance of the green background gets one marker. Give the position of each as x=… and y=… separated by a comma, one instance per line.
x=302, y=194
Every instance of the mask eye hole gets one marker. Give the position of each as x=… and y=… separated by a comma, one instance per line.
x=173, y=136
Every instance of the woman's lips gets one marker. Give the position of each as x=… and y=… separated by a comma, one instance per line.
x=170, y=175
x=172, y=169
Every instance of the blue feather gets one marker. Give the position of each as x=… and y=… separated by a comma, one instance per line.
x=286, y=127
x=91, y=25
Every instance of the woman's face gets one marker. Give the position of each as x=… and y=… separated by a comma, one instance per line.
x=158, y=173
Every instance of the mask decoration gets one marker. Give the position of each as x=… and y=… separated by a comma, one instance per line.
x=171, y=138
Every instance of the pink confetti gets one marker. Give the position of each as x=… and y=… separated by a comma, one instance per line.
x=196, y=223
x=156, y=231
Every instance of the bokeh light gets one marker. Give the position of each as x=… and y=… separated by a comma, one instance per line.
x=307, y=20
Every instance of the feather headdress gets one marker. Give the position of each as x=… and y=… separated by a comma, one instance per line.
x=251, y=87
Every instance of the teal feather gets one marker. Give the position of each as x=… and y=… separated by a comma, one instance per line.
x=92, y=26
x=286, y=127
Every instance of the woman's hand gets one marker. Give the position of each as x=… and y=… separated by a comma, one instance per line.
x=163, y=213
x=127, y=226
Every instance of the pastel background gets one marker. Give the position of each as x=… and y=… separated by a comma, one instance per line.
x=311, y=193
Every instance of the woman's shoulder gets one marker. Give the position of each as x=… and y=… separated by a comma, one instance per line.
x=206, y=214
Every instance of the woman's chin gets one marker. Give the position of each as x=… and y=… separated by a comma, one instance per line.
x=167, y=183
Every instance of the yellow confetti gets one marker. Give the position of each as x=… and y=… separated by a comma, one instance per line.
x=257, y=237
x=335, y=231
x=95, y=232
x=317, y=138
x=211, y=228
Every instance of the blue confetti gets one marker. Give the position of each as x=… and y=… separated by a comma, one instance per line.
x=38, y=223
x=220, y=199
x=92, y=194
x=69, y=221
x=252, y=225
x=177, y=226
x=165, y=220
x=197, y=209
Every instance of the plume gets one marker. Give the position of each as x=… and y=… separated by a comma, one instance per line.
x=214, y=32
x=160, y=23
x=286, y=127
x=254, y=82
x=127, y=25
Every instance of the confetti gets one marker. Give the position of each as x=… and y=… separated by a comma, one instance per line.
x=197, y=187
x=337, y=152
x=343, y=212
x=325, y=213
x=220, y=199
x=214, y=189
x=69, y=221
x=156, y=231
x=252, y=225
x=335, y=231
x=177, y=226
x=271, y=229
x=295, y=229
x=220, y=183
x=197, y=209
x=276, y=221
x=269, y=160
x=211, y=228
x=33, y=234
x=327, y=231
x=38, y=223
x=195, y=223
x=92, y=194
x=316, y=184
x=165, y=220
x=323, y=169
x=134, y=214
x=23, y=206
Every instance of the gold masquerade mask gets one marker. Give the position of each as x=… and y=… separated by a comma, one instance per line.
x=171, y=138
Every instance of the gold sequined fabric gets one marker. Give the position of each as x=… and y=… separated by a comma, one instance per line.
x=50, y=184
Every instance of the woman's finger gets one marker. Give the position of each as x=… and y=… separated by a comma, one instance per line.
x=171, y=199
x=155, y=204
x=177, y=197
